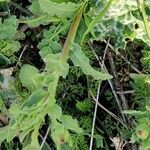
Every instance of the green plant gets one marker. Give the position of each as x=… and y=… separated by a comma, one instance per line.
x=68, y=26
x=26, y=119
x=8, y=41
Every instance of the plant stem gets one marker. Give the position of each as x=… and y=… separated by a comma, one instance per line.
x=145, y=20
x=71, y=35
x=70, y=39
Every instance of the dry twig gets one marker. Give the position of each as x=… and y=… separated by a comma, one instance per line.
x=106, y=110
x=94, y=118
x=109, y=81
x=45, y=137
x=116, y=82
x=134, y=68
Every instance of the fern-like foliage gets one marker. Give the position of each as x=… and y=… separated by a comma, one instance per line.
x=84, y=106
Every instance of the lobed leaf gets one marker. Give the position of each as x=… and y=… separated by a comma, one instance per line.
x=79, y=59
x=53, y=64
x=3, y=133
x=55, y=112
x=60, y=10
x=35, y=97
x=35, y=7
x=42, y=19
x=60, y=134
x=8, y=47
x=30, y=77
x=71, y=123
x=8, y=28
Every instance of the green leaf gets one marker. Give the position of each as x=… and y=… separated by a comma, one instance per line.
x=3, y=0
x=15, y=109
x=79, y=59
x=60, y=134
x=3, y=133
x=122, y=8
x=24, y=133
x=84, y=106
x=134, y=138
x=99, y=142
x=97, y=19
x=30, y=77
x=35, y=98
x=12, y=132
x=134, y=112
x=60, y=10
x=141, y=33
x=48, y=46
x=34, y=145
x=142, y=131
x=8, y=47
x=142, y=86
x=34, y=140
x=145, y=145
x=55, y=112
x=60, y=1
x=53, y=64
x=8, y=28
x=71, y=123
x=41, y=19
x=146, y=59
x=35, y=7
x=4, y=60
